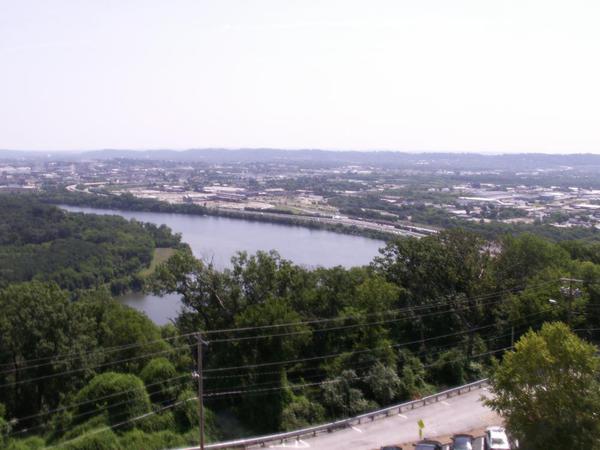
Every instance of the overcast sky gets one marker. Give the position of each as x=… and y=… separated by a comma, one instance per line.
x=419, y=75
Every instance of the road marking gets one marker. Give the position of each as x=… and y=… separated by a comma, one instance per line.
x=445, y=403
x=357, y=429
x=403, y=416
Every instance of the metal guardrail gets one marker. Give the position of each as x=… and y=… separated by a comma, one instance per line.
x=345, y=423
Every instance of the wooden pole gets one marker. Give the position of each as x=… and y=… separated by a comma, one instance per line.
x=200, y=390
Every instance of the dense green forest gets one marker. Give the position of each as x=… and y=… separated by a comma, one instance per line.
x=300, y=345
x=76, y=251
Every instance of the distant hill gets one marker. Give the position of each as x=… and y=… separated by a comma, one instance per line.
x=464, y=161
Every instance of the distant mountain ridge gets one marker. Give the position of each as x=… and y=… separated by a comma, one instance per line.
x=463, y=161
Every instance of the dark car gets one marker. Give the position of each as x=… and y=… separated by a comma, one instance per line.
x=428, y=445
x=462, y=442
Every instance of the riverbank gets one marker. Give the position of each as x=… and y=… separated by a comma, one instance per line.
x=128, y=202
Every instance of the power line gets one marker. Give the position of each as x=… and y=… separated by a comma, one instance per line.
x=313, y=358
x=244, y=391
x=104, y=397
x=92, y=411
x=221, y=394
x=362, y=366
x=275, y=388
x=408, y=308
x=56, y=410
x=344, y=327
x=325, y=356
x=82, y=369
x=19, y=382
x=284, y=334
x=125, y=422
x=79, y=355
x=310, y=369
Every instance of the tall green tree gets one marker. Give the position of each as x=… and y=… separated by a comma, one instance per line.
x=38, y=322
x=451, y=269
x=548, y=390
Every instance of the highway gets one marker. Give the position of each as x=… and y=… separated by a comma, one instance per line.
x=454, y=415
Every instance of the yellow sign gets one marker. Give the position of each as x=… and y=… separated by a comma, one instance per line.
x=421, y=425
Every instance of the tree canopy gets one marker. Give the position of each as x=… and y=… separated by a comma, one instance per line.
x=548, y=390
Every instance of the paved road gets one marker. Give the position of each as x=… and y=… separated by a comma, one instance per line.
x=454, y=415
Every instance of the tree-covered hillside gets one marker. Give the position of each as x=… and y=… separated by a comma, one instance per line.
x=77, y=251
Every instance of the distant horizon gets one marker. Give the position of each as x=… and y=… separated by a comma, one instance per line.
x=413, y=152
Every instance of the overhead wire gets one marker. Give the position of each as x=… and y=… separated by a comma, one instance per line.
x=174, y=349
x=214, y=395
x=294, y=371
x=94, y=411
x=320, y=357
x=313, y=358
x=79, y=355
x=70, y=406
x=83, y=369
x=97, y=399
x=123, y=423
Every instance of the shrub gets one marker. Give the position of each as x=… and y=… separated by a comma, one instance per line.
x=104, y=440
x=157, y=374
x=120, y=396
x=32, y=443
x=137, y=439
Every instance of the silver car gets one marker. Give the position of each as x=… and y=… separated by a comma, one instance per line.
x=496, y=439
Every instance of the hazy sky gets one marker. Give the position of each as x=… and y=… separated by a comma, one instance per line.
x=480, y=75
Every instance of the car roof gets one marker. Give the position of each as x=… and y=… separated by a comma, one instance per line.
x=428, y=442
x=498, y=433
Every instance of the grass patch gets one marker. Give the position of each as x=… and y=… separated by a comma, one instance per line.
x=160, y=255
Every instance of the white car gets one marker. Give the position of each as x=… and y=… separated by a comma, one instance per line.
x=496, y=439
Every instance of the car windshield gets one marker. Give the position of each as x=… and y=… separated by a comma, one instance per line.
x=498, y=441
x=425, y=447
x=462, y=443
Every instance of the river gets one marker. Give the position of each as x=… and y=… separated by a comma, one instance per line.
x=217, y=239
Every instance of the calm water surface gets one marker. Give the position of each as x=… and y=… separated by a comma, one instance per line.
x=217, y=239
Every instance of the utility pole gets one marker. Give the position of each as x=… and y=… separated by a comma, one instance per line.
x=570, y=293
x=198, y=374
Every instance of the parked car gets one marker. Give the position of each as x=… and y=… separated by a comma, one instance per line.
x=496, y=439
x=427, y=444
x=462, y=442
